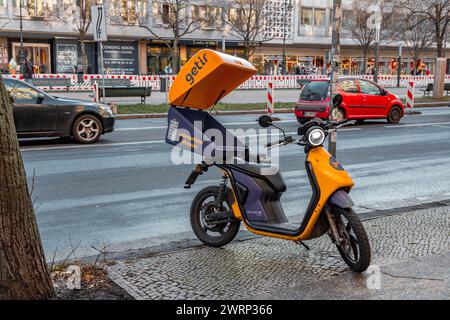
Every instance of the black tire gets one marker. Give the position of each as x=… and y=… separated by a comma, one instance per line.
x=92, y=127
x=356, y=254
x=226, y=232
x=394, y=115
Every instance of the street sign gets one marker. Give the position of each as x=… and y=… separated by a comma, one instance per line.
x=98, y=23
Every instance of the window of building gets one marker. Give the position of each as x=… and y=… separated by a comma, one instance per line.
x=307, y=16
x=3, y=8
x=35, y=8
x=319, y=17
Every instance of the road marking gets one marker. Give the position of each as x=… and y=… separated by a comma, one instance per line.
x=132, y=143
x=416, y=124
x=229, y=123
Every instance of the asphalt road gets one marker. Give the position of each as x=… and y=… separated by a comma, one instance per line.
x=125, y=192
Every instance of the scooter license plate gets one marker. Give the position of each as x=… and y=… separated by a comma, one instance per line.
x=309, y=114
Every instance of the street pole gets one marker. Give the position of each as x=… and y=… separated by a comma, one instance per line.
x=223, y=43
x=283, y=69
x=399, y=67
x=377, y=53
x=21, y=50
x=335, y=58
x=103, y=72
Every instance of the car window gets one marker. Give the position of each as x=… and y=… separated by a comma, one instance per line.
x=348, y=86
x=315, y=91
x=21, y=91
x=369, y=88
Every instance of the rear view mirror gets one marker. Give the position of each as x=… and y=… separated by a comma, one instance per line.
x=265, y=121
x=40, y=98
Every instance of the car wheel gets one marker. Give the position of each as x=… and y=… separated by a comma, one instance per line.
x=337, y=115
x=87, y=129
x=394, y=115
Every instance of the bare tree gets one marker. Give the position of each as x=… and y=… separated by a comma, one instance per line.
x=417, y=34
x=173, y=15
x=437, y=12
x=246, y=19
x=355, y=22
x=23, y=269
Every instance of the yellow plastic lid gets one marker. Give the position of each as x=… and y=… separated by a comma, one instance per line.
x=208, y=77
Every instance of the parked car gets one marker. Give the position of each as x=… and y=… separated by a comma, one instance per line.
x=362, y=99
x=39, y=114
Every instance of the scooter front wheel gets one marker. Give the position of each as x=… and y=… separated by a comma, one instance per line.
x=354, y=245
x=204, y=209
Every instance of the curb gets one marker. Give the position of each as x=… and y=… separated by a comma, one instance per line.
x=217, y=113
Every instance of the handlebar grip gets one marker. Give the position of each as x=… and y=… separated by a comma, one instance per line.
x=268, y=145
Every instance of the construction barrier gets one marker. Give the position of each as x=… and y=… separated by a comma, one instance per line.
x=410, y=96
x=69, y=82
x=270, y=103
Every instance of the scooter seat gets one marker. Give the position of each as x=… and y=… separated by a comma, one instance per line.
x=275, y=180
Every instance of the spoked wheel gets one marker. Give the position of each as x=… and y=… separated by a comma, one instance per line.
x=206, y=216
x=354, y=246
x=87, y=129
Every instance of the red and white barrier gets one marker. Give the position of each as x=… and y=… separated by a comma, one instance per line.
x=270, y=97
x=255, y=82
x=410, y=96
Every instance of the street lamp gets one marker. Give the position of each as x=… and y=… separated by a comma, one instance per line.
x=286, y=8
x=21, y=49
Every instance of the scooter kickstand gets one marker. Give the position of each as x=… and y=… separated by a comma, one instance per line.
x=303, y=244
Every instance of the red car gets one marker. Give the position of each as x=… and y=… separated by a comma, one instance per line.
x=362, y=99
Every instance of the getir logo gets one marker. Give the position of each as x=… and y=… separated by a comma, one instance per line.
x=199, y=64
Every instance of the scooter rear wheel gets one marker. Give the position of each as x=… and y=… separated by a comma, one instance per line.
x=355, y=249
x=205, y=204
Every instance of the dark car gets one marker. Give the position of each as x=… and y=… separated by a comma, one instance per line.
x=38, y=114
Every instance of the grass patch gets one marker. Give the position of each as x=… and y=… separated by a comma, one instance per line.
x=163, y=108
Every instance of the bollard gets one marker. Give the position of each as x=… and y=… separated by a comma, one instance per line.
x=270, y=104
x=410, y=96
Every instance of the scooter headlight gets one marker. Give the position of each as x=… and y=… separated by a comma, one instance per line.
x=315, y=136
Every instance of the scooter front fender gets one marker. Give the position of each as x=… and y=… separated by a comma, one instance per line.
x=341, y=199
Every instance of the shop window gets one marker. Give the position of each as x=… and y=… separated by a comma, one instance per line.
x=37, y=53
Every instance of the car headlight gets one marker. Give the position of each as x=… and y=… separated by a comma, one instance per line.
x=315, y=136
x=106, y=109
x=396, y=97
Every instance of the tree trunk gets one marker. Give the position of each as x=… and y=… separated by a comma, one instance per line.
x=84, y=58
x=366, y=60
x=175, y=56
x=23, y=269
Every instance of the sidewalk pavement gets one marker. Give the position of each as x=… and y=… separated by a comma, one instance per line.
x=410, y=249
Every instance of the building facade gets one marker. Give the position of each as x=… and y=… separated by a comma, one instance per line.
x=301, y=27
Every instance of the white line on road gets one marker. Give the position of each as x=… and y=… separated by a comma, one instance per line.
x=165, y=127
x=416, y=124
x=132, y=143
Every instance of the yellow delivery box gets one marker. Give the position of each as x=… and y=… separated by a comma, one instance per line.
x=208, y=77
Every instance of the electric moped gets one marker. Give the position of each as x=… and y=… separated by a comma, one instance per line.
x=247, y=195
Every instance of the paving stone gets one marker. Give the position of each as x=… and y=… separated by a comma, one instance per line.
x=263, y=267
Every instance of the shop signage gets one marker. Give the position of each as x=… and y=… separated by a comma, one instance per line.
x=120, y=57
x=273, y=58
x=66, y=58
